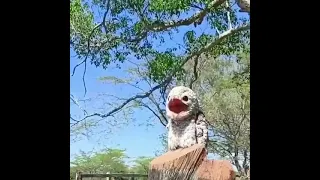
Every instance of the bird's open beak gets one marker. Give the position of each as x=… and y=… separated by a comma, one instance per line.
x=175, y=102
x=177, y=106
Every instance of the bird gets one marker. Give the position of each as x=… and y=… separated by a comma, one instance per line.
x=244, y=5
x=187, y=125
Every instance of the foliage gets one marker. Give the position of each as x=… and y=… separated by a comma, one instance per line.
x=112, y=32
x=215, y=61
x=107, y=160
x=162, y=65
x=224, y=89
x=141, y=165
x=129, y=28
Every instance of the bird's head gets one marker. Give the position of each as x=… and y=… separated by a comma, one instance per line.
x=182, y=102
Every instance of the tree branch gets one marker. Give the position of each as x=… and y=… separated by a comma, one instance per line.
x=220, y=38
x=223, y=148
x=76, y=121
x=192, y=19
x=228, y=14
x=184, y=22
x=196, y=6
x=152, y=99
x=76, y=103
x=105, y=16
x=139, y=96
x=244, y=163
x=146, y=106
x=88, y=47
x=240, y=124
x=83, y=76
x=195, y=73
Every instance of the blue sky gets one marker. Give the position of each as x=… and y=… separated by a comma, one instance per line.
x=137, y=140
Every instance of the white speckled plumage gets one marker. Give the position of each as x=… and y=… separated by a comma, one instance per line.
x=244, y=5
x=188, y=127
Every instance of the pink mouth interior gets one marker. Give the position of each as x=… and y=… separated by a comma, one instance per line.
x=177, y=106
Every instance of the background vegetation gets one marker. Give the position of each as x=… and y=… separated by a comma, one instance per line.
x=212, y=57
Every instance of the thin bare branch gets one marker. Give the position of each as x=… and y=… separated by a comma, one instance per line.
x=196, y=6
x=133, y=85
x=77, y=103
x=228, y=14
x=76, y=66
x=83, y=76
x=163, y=93
x=240, y=124
x=139, y=96
x=244, y=163
x=146, y=106
x=73, y=119
x=110, y=95
x=160, y=111
x=88, y=47
x=195, y=73
x=220, y=146
x=217, y=30
x=221, y=37
x=105, y=16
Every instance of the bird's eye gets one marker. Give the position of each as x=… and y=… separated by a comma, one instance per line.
x=168, y=98
x=185, y=98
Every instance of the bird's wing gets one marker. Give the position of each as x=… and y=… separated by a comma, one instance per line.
x=202, y=129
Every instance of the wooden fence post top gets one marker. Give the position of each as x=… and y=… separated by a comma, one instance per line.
x=189, y=163
x=78, y=176
x=173, y=155
x=179, y=164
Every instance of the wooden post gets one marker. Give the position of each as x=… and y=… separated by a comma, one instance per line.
x=180, y=164
x=189, y=164
x=215, y=170
x=107, y=178
x=78, y=176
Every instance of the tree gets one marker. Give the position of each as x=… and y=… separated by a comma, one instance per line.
x=141, y=165
x=107, y=160
x=223, y=87
x=214, y=63
x=225, y=96
x=131, y=28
